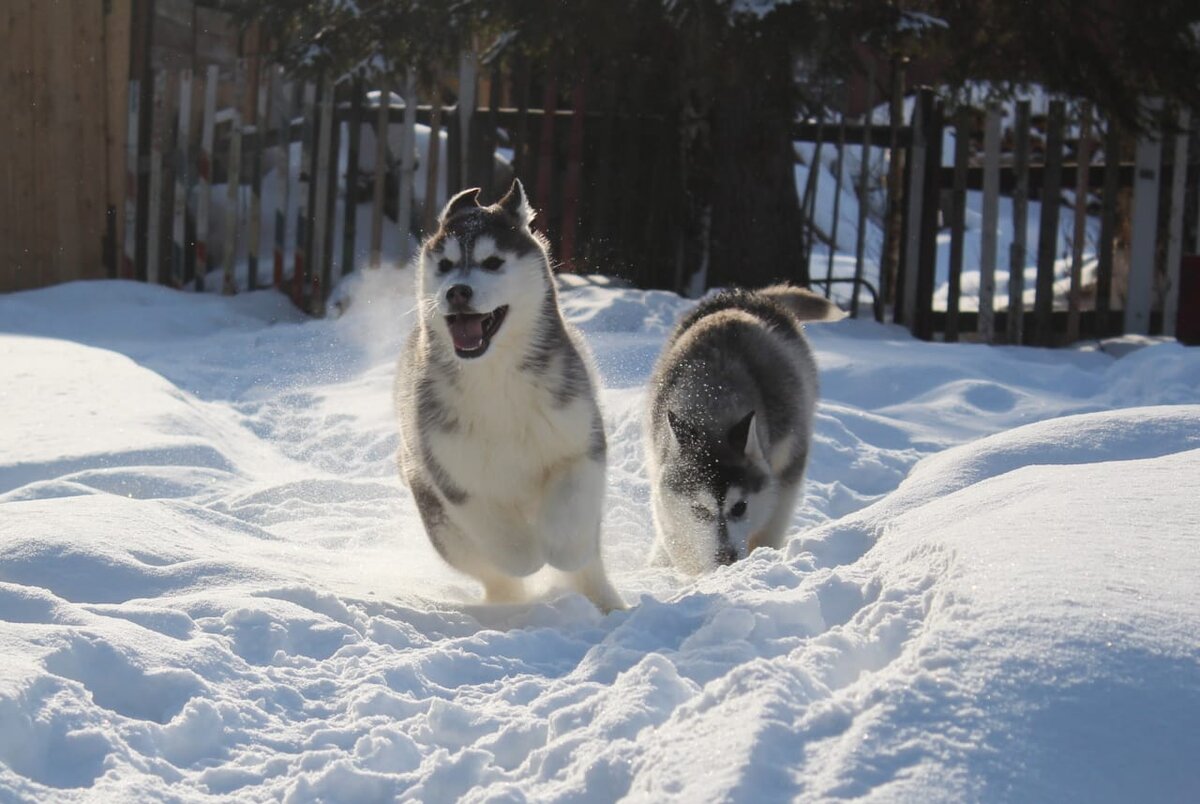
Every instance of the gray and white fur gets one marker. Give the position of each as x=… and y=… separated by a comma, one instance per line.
x=502, y=441
x=729, y=425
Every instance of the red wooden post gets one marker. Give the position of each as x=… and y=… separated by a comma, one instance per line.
x=570, y=204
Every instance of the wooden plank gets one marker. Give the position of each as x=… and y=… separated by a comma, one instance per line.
x=927, y=266
x=918, y=155
x=571, y=187
x=204, y=162
x=890, y=264
x=408, y=152
x=1138, y=298
x=546, y=148
x=333, y=156
x=353, y=145
x=154, y=199
x=468, y=74
x=183, y=130
x=432, y=160
x=129, y=252
x=991, y=220
x=1079, y=235
x=1175, y=227
x=809, y=200
x=118, y=21
x=837, y=198
x=19, y=264
x=1048, y=227
x=856, y=134
x=1020, y=218
x=1108, y=221
x=262, y=100
x=300, y=265
x=381, y=131
x=864, y=195
x=283, y=177
x=958, y=219
x=324, y=146
x=233, y=186
x=521, y=124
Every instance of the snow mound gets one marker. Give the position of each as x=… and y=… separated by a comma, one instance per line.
x=213, y=585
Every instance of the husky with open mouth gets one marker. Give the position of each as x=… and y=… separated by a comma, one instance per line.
x=502, y=441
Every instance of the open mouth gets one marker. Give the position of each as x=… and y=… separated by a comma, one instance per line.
x=472, y=332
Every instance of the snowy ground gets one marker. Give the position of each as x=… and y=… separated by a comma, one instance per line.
x=213, y=586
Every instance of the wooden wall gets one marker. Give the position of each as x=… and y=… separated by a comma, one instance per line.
x=63, y=87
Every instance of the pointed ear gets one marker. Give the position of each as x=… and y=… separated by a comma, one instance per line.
x=743, y=438
x=516, y=204
x=464, y=200
x=686, y=434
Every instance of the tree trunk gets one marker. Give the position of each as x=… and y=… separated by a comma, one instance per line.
x=755, y=226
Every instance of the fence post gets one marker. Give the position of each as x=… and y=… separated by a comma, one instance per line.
x=467, y=74
x=129, y=251
x=864, y=193
x=906, y=302
x=318, y=258
x=570, y=200
x=300, y=267
x=350, y=209
x=1145, y=226
x=1020, y=213
x=1108, y=225
x=261, y=102
x=204, y=173
x=408, y=146
x=927, y=267
x=233, y=182
x=182, y=159
x=958, y=219
x=893, y=245
x=284, y=177
x=837, y=198
x=1083, y=160
x=991, y=218
x=545, y=160
x=154, y=196
x=381, y=133
x=1043, y=305
x=431, y=162
x=1175, y=230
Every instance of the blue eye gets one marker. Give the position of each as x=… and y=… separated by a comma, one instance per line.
x=738, y=510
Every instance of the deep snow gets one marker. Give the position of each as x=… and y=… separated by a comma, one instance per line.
x=212, y=584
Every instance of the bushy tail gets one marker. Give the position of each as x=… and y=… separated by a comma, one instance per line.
x=804, y=304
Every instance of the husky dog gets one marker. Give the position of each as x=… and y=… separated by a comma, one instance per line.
x=730, y=419
x=502, y=442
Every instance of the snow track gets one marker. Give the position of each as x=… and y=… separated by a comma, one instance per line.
x=213, y=586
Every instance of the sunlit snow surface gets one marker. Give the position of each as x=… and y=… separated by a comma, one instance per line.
x=213, y=586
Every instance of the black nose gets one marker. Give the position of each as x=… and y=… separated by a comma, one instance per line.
x=459, y=295
x=726, y=555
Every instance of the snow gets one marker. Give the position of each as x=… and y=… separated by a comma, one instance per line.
x=212, y=583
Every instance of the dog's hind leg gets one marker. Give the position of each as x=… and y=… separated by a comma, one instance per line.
x=592, y=583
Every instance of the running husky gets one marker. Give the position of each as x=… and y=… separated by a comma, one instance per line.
x=502, y=442
x=730, y=419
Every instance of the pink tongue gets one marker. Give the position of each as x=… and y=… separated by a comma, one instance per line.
x=466, y=332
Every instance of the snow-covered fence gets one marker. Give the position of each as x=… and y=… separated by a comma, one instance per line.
x=1047, y=175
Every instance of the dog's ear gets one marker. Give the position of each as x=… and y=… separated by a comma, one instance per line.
x=687, y=435
x=516, y=204
x=464, y=200
x=743, y=438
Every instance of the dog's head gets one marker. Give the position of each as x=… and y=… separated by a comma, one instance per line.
x=484, y=275
x=716, y=492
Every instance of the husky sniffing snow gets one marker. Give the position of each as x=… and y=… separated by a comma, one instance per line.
x=502, y=442
x=730, y=419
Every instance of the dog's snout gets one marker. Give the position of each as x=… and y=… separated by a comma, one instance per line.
x=459, y=295
x=726, y=555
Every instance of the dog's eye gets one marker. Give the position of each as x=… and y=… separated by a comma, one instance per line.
x=492, y=264
x=738, y=510
x=444, y=265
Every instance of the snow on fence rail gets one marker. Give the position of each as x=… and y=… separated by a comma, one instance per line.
x=299, y=167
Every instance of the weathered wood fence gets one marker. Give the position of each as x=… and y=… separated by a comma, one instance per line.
x=582, y=164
